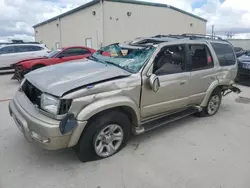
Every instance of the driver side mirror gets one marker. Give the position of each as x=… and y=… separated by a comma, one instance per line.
x=154, y=82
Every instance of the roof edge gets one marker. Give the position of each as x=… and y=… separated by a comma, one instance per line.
x=138, y=2
x=89, y=4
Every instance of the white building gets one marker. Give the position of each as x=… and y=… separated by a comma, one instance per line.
x=102, y=22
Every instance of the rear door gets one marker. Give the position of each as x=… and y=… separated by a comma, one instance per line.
x=203, y=72
x=227, y=61
x=29, y=51
x=8, y=56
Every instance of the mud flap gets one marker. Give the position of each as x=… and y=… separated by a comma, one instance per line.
x=230, y=89
x=67, y=124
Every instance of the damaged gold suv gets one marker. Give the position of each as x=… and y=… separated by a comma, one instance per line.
x=94, y=105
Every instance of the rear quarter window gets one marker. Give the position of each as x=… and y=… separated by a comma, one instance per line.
x=7, y=50
x=224, y=53
x=27, y=48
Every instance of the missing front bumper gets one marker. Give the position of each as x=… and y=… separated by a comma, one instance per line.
x=19, y=73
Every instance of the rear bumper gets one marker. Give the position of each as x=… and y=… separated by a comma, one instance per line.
x=229, y=89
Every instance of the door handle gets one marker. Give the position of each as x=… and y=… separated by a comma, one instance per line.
x=183, y=82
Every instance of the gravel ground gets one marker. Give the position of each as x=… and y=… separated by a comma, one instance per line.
x=191, y=153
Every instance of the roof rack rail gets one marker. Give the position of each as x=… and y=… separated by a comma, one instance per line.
x=200, y=36
x=159, y=36
x=191, y=36
x=9, y=43
x=170, y=35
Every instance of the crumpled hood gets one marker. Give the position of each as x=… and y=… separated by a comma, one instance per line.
x=61, y=78
x=29, y=60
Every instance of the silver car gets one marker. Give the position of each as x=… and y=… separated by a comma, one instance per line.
x=95, y=105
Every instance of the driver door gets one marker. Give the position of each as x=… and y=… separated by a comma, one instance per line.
x=169, y=66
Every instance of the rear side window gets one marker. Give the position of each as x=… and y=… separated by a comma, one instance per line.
x=27, y=48
x=75, y=52
x=7, y=50
x=225, y=54
x=201, y=57
x=36, y=48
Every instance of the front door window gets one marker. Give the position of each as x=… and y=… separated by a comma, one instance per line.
x=170, y=60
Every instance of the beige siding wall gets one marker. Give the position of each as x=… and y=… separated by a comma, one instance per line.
x=115, y=25
x=145, y=21
x=48, y=33
x=73, y=29
x=79, y=26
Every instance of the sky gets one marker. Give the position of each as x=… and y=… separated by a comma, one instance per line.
x=18, y=16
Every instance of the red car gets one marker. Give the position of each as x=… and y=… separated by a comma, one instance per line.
x=55, y=57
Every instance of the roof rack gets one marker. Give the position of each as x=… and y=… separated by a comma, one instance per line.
x=191, y=36
x=9, y=43
x=200, y=36
x=171, y=36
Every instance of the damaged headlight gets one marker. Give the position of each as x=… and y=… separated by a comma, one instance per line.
x=50, y=103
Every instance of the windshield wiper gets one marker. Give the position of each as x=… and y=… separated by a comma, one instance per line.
x=111, y=63
x=95, y=59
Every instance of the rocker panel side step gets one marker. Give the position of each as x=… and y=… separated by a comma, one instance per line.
x=168, y=119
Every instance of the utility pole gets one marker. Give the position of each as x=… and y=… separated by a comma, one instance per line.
x=212, y=31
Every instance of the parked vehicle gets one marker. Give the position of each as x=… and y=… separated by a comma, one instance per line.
x=13, y=53
x=244, y=72
x=239, y=51
x=95, y=106
x=55, y=57
x=245, y=56
x=244, y=69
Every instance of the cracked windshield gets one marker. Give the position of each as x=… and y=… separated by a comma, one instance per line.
x=124, y=93
x=130, y=58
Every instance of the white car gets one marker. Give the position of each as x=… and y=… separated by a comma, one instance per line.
x=13, y=53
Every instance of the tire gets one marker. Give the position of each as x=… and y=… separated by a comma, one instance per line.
x=90, y=142
x=213, y=105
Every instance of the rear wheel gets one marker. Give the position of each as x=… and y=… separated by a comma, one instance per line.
x=104, y=136
x=213, y=105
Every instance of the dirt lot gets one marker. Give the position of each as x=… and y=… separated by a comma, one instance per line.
x=192, y=153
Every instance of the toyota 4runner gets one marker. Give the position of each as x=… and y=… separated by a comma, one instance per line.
x=95, y=105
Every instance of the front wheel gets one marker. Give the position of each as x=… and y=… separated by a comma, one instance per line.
x=104, y=136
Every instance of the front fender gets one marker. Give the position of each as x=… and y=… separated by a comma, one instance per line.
x=209, y=92
x=108, y=103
